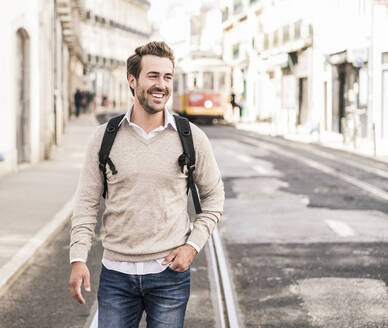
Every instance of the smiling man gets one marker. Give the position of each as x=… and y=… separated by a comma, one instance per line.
x=149, y=242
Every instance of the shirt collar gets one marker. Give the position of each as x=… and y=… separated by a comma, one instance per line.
x=168, y=118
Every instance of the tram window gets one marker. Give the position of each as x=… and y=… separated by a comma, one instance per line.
x=184, y=81
x=208, y=81
x=175, y=85
x=221, y=81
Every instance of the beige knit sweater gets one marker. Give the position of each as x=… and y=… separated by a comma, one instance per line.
x=146, y=208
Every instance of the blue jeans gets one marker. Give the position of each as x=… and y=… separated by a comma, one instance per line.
x=122, y=298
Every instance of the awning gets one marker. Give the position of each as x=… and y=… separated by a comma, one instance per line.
x=356, y=57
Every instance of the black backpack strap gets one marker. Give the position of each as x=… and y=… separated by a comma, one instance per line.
x=106, y=145
x=188, y=157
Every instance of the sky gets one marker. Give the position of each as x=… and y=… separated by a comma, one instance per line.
x=171, y=22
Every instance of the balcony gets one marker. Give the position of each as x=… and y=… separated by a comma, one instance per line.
x=68, y=12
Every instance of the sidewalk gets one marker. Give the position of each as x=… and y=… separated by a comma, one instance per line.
x=36, y=202
x=327, y=139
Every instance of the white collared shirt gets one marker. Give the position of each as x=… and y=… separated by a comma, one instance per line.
x=168, y=119
x=153, y=266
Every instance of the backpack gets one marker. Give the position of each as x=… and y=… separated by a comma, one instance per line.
x=186, y=159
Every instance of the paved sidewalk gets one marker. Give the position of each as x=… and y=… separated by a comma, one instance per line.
x=36, y=202
x=331, y=140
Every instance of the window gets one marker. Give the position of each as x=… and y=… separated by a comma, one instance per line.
x=237, y=7
x=297, y=30
x=225, y=14
x=236, y=51
x=266, y=41
x=184, y=81
x=286, y=34
x=384, y=58
x=221, y=81
x=276, y=38
x=208, y=81
x=195, y=81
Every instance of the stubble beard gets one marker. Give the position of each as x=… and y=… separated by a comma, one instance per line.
x=142, y=98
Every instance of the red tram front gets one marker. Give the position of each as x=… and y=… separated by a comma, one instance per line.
x=200, y=89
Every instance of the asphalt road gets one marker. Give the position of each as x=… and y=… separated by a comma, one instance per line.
x=304, y=248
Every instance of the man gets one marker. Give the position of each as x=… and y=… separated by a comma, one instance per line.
x=77, y=102
x=149, y=243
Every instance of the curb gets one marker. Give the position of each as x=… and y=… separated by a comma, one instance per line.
x=19, y=262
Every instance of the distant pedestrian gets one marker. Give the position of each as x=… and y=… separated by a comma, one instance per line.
x=104, y=101
x=77, y=102
x=90, y=99
x=84, y=101
x=149, y=242
x=234, y=103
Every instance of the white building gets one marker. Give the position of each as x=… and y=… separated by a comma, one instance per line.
x=42, y=48
x=305, y=65
x=269, y=45
x=378, y=97
x=51, y=53
x=240, y=27
x=111, y=30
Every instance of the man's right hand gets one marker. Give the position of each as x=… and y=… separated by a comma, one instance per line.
x=79, y=273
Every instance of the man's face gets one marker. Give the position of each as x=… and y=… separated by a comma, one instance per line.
x=153, y=87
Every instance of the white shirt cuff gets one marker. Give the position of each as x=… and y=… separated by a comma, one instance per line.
x=77, y=260
x=197, y=248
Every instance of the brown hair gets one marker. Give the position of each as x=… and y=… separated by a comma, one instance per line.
x=160, y=49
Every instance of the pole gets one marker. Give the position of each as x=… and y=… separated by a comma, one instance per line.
x=55, y=73
x=371, y=118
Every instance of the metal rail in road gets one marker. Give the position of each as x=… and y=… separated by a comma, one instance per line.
x=226, y=305
x=226, y=310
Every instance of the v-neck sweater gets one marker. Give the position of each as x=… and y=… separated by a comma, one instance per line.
x=146, y=207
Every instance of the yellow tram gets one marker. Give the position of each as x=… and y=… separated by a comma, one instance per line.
x=200, y=88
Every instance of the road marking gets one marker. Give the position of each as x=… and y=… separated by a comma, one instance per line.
x=340, y=228
x=376, y=171
x=323, y=168
x=247, y=159
x=261, y=170
x=244, y=158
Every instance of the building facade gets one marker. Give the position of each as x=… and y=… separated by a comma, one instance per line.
x=42, y=43
x=310, y=66
x=56, y=47
x=111, y=30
